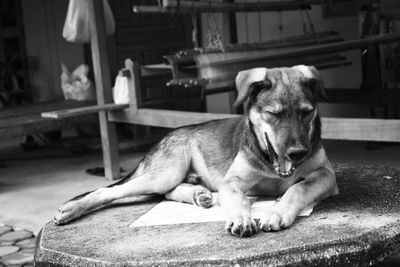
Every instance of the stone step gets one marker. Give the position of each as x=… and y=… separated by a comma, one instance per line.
x=18, y=258
x=28, y=250
x=15, y=236
x=26, y=243
x=5, y=250
x=6, y=243
x=5, y=229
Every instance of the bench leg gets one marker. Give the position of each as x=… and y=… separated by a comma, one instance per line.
x=103, y=88
x=109, y=145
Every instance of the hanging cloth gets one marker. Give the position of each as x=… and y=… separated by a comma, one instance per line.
x=77, y=24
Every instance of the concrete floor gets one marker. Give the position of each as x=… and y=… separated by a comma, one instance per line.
x=35, y=183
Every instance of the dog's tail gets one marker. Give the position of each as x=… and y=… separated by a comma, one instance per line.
x=123, y=180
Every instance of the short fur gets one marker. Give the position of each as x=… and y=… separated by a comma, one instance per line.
x=274, y=149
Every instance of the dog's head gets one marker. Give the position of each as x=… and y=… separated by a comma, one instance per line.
x=283, y=112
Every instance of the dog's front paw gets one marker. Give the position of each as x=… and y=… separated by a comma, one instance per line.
x=278, y=218
x=68, y=212
x=241, y=226
x=202, y=197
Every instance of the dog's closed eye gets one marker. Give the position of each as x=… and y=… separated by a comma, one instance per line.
x=275, y=113
x=307, y=112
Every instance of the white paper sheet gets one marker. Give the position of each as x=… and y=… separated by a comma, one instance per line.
x=171, y=212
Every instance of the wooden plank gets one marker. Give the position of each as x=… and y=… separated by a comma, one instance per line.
x=212, y=6
x=21, y=120
x=11, y=128
x=135, y=97
x=37, y=108
x=155, y=69
x=361, y=129
x=333, y=128
x=165, y=118
x=103, y=88
x=24, y=120
x=358, y=96
x=66, y=113
x=310, y=51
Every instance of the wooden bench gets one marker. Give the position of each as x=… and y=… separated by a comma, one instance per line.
x=25, y=120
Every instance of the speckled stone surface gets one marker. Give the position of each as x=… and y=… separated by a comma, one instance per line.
x=359, y=227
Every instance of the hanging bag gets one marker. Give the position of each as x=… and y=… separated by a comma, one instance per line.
x=77, y=24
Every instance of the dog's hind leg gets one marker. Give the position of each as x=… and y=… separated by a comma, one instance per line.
x=154, y=175
x=192, y=194
x=140, y=185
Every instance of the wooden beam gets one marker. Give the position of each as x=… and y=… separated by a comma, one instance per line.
x=165, y=118
x=72, y=112
x=135, y=98
x=34, y=124
x=358, y=96
x=155, y=69
x=213, y=6
x=361, y=129
x=37, y=108
x=103, y=87
x=333, y=128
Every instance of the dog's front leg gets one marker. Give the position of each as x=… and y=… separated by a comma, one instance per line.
x=240, y=177
x=316, y=186
x=237, y=207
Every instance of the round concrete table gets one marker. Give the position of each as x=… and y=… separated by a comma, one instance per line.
x=359, y=227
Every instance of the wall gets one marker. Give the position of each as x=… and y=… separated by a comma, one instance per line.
x=43, y=23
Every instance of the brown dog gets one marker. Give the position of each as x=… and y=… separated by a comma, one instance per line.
x=274, y=149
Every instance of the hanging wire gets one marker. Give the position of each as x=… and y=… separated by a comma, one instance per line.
x=246, y=19
x=280, y=18
x=203, y=93
x=309, y=21
x=259, y=24
x=303, y=21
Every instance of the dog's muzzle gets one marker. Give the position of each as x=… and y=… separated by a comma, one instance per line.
x=283, y=169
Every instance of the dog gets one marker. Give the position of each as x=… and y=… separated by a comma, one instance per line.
x=274, y=149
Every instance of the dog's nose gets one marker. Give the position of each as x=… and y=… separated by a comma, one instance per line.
x=297, y=154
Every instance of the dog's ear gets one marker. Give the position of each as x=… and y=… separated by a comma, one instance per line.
x=244, y=81
x=315, y=81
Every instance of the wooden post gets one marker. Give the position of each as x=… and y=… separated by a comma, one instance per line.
x=103, y=88
x=133, y=84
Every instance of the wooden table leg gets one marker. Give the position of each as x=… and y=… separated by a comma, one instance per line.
x=103, y=88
